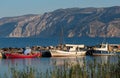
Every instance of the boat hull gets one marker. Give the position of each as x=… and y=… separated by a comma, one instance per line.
x=103, y=53
x=17, y=55
x=58, y=53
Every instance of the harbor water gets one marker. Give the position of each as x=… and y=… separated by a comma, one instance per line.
x=42, y=64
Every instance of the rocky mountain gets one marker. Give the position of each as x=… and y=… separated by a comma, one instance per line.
x=74, y=22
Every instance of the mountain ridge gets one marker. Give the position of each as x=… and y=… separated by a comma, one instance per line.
x=75, y=22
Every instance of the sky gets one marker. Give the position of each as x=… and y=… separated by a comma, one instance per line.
x=10, y=8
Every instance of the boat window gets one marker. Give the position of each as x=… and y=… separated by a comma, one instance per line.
x=115, y=47
x=103, y=46
x=98, y=46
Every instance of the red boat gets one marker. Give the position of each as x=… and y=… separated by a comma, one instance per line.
x=17, y=55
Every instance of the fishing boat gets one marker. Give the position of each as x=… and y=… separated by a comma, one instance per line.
x=69, y=50
x=17, y=55
x=104, y=49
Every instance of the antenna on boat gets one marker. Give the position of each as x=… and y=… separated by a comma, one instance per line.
x=105, y=28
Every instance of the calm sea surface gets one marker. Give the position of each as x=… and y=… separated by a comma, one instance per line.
x=23, y=42
x=46, y=63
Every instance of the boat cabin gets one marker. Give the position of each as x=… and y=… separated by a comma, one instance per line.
x=73, y=47
x=101, y=47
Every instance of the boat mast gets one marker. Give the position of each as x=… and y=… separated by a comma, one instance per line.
x=61, y=36
x=105, y=28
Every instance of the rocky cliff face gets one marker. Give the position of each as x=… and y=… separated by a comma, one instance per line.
x=75, y=22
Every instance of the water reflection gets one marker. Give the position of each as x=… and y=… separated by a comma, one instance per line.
x=106, y=59
x=27, y=62
x=60, y=61
x=42, y=64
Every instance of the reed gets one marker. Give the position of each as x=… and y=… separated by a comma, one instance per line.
x=71, y=70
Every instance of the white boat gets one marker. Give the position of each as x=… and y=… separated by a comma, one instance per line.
x=69, y=50
x=103, y=49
